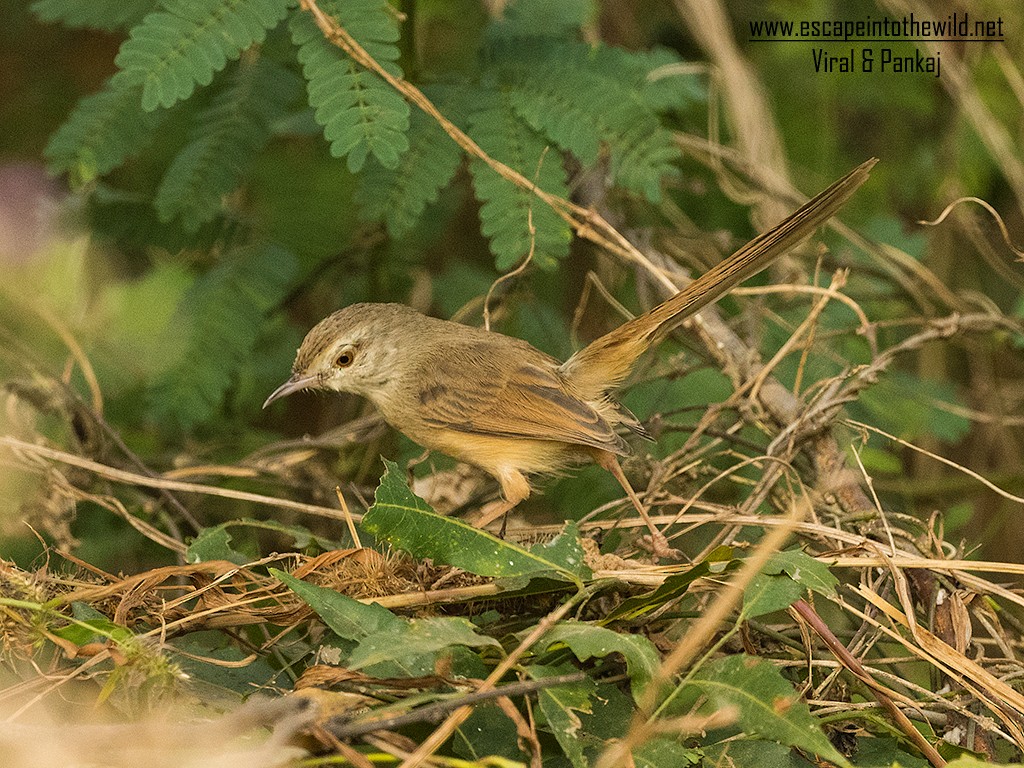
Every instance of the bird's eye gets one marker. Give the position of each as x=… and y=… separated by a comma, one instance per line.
x=345, y=359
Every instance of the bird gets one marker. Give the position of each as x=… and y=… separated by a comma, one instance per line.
x=497, y=402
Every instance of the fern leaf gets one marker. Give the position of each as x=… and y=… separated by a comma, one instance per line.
x=399, y=196
x=508, y=210
x=174, y=50
x=109, y=15
x=361, y=114
x=214, y=330
x=656, y=75
x=545, y=18
x=103, y=130
x=229, y=133
x=131, y=222
x=562, y=90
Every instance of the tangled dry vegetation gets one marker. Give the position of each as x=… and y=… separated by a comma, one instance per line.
x=918, y=638
x=818, y=615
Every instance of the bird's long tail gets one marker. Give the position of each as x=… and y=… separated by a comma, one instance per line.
x=607, y=360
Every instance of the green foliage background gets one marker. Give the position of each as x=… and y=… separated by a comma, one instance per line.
x=226, y=176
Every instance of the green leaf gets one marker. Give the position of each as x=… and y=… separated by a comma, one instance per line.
x=361, y=114
x=765, y=594
x=109, y=15
x=560, y=705
x=663, y=752
x=227, y=136
x=783, y=581
x=508, y=211
x=911, y=407
x=803, y=569
x=417, y=637
x=183, y=45
x=199, y=652
x=752, y=753
x=674, y=587
x=214, y=543
x=766, y=705
x=587, y=641
x=349, y=619
x=386, y=645
x=407, y=522
x=884, y=752
x=398, y=196
x=97, y=627
x=103, y=130
x=214, y=330
x=974, y=762
x=488, y=734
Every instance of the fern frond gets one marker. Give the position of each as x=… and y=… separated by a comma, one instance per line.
x=103, y=130
x=182, y=46
x=663, y=92
x=130, y=221
x=109, y=15
x=214, y=330
x=508, y=210
x=228, y=134
x=544, y=18
x=399, y=196
x=562, y=90
x=361, y=114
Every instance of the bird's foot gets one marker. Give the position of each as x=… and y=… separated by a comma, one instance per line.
x=656, y=543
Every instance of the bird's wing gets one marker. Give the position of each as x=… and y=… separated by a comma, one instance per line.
x=468, y=390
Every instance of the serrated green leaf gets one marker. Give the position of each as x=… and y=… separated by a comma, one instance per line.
x=407, y=522
x=361, y=114
x=103, y=130
x=347, y=618
x=508, y=211
x=415, y=638
x=172, y=51
x=766, y=705
x=657, y=75
x=214, y=543
x=228, y=135
x=386, y=645
x=107, y=15
x=588, y=641
x=561, y=705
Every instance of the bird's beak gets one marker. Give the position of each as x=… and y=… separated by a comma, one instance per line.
x=295, y=384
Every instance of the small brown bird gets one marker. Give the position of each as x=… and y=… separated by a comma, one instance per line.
x=498, y=403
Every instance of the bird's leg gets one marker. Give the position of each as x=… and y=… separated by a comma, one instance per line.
x=492, y=512
x=659, y=544
x=514, y=489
